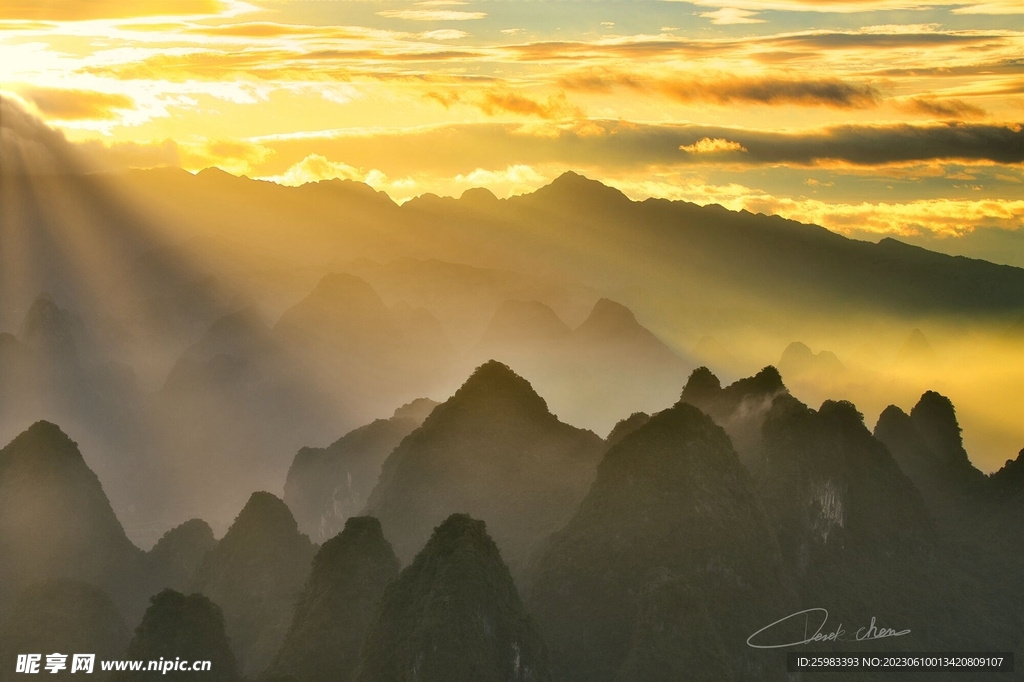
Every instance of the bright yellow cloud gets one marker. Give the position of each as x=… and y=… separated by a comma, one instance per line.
x=716, y=145
x=84, y=10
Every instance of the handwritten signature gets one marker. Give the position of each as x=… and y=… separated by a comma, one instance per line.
x=811, y=616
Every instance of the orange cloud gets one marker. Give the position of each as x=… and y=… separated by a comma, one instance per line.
x=76, y=105
x=84, y=10
x=555, y=107
x=726, y=89
x=943, y=108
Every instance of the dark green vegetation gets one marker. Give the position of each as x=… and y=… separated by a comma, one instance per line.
x=495, y=451
x=55, y=520
x=255, y=574
x=326, y=486
x=454, y=615
x=187, y=627
x=739, y=408
x=857, y=535
x=650, y=556
x=671, y=509
x=171, y=563
x=338, y=606
x=929, y=449
x=63, y=616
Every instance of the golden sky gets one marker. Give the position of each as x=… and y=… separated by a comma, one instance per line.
x=870, y=117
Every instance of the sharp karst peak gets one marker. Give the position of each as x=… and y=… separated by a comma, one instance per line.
x=494, y=378
x=702, y=381
x=44, y=434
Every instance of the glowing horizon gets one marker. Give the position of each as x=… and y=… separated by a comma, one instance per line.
x=871, y=117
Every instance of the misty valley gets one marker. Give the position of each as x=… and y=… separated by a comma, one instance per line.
x=308, y=433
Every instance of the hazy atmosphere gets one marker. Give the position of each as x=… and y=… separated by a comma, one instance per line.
x=605, y=320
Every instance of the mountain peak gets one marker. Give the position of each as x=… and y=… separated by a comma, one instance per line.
x=336, y=285
x=57, y=521
x=458, y=529
x=49, y=326
x=454, y=614
x=578, y=190
x=844, y=412
x=44, y=439
x=916, y=349
x=519, y=322
x=253, y=573
x=493, y=450
x=608, y=312
x=1012, y=474
x=264, y=510
x=701, y=386
x=493, y=381
x=417, y=410
x=768, y=381
x=935, y=419
x=349, y=576
x=479, y=196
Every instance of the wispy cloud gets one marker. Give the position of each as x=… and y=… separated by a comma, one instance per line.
x=430, y=14
x=732, y=15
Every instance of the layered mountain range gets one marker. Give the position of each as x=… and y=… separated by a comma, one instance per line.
x=656, y=553
x=207, y=336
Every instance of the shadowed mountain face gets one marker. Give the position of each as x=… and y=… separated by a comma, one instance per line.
x=928, y=447
x=254, y=574
x=626, y=426
x=171, y=563
x=55, y=520
x=739, y=408
x=454, y=615
x=852, y=526
x=64, y=616
x=672, y=508
x=833, y=491
x=190, y=628
x=57, y=371
x=326, y=486
x=338, y=605
x=674, y=638
x=495, y=451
